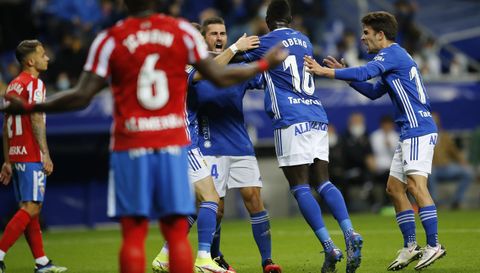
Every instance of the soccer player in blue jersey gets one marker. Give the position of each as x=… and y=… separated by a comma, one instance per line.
x=301, y=139
x=199, y=174
x=412, y=162
x=227, y=147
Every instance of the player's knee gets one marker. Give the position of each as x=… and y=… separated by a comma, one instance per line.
x=254, y=205
x=208, y=196
x=393, y=191
x=252, y=200
x=417, y=189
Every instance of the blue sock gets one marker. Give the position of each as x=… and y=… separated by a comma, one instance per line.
x=261, y=233
x=324, y=237
x=335, y=202
x=406, y=222
x=428, y=215
x=215, y=249
x=207, y=220
x=311, y=212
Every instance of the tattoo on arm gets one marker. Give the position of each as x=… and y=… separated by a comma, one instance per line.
x=39, y=131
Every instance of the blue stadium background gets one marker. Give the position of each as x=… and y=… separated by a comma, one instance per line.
x=443, y=37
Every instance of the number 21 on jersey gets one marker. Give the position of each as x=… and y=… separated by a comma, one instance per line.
x=418, y=82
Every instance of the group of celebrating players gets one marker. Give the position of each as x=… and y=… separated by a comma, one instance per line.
x=171, y=147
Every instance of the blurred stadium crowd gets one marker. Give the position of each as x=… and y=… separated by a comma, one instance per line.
x=68, y=27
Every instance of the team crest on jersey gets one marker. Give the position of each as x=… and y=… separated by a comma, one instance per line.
x=207, y=144
x=38, y=95
x=379, y=58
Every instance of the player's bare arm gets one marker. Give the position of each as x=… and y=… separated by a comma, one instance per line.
x=76, y=98
x=6, y=172
x=317, y=69
x=231, y=75
x=40, y=133
x=243, y=43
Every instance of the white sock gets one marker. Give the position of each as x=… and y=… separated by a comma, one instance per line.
x=202, y=254
x=42, y=260
x=2, y=255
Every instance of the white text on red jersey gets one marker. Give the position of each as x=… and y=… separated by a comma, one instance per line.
x=142, y=37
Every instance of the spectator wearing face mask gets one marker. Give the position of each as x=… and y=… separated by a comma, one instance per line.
x=384, y=141
x=336, y=167
x=358, y=156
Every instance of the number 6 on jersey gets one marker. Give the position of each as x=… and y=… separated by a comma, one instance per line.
x=152, y=85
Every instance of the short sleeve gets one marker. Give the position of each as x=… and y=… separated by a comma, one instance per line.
x=194, y=42
x=98, y=60
x=190, y=74
x=39, y=93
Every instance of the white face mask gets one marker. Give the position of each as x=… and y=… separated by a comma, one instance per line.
x=332, y=140
x=357, y=130
x=63, y=84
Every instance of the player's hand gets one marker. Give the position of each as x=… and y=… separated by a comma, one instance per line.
x=314, y=67
x=245, y=42
x=6, y=173
x=276, y=55
x=333, y=63
x=47, y=164
x=14, y=105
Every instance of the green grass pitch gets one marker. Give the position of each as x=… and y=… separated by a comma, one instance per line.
x=294, y=246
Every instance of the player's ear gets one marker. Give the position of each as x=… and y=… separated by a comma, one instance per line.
x=29, y=61
x=381, y=35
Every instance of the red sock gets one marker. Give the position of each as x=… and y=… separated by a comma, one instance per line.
x=33, y=234
x=132, y=253
x=175, y=229
x=14, y=229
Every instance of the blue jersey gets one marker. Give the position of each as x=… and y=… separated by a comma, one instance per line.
x=221, y=125
x=401, y=79
x=192, y=109
x=289, y=90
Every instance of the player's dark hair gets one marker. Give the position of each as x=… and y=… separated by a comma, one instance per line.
x=211, y=21
x=382, y=21
x=197, y=26
x=137, y=6
x=278, y=12
x=26, y=47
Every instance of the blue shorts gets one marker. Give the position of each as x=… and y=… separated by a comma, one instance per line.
x=29, y=181
x=150, y=183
